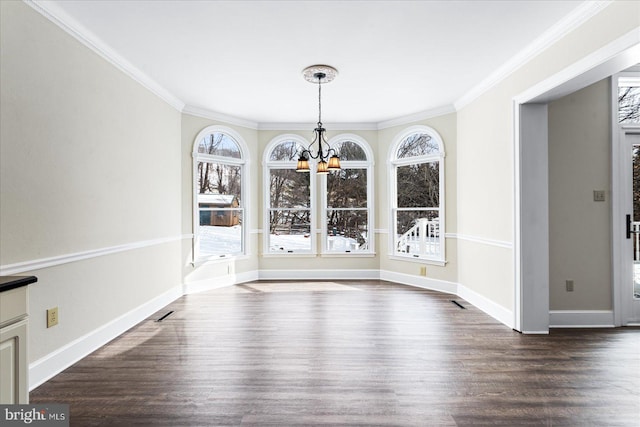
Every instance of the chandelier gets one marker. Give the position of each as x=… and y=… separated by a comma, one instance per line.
x=319, y=149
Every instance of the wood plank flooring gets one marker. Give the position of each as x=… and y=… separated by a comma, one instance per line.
x=366, y=353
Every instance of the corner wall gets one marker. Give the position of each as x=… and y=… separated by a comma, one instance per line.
x=486, y=179
x=89, y=188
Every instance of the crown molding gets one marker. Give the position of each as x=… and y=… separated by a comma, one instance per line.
x=57, y=16
x=416, y=117
x=219, y=117
x=581, y=14
x=311, y=126
x=233, y=120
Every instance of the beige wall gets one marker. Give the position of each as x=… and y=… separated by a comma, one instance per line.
x=485, y=160
x=579, y=227
x=88, y=162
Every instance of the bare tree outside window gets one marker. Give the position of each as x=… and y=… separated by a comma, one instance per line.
x=347, y=213
x=289, y=205
x=417, y=175
x=629, y=104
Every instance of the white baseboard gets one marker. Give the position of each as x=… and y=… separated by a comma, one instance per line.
x=498, y=312
x=420, y=282
x=581, y=319
x=317, y=274
x=218, y=282
x=494, y=310
x=57, y=361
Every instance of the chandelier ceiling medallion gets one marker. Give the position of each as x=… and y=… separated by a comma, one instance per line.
x=319, y=149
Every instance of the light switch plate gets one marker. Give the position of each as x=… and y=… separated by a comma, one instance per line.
x=598, y=195
x=569, y=285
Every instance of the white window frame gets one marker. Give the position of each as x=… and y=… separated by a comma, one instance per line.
x=346, y=164
x=244, y=163
x=393, y=163
x=267, y=165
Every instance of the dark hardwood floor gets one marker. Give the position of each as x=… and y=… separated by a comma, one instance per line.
x=367, y=353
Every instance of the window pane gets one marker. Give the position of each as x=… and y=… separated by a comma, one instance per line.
x=418, y=232
x=220, y=232
x=347, y=230
x=219, y=144
x=222, y=180
x=287, y=150
x=290, y=230
x=351, y=151
x=419, y=185
x=347, y=188
x=289, y=189
x=629, y=104
x=418, y=144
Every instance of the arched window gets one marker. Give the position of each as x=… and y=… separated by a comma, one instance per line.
x=220, y=188
x=348, y=199
x=289, y=225
x=417, y=195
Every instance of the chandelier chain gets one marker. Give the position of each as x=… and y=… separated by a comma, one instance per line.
x=319, y=102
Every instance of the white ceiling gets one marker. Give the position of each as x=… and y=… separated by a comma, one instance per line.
x=244, y=58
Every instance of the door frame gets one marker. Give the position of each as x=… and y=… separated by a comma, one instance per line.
x=621, y=307
x=531, y=314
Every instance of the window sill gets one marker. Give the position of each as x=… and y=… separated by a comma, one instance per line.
x=440, y=262
x=289, y=254
x=348, y=254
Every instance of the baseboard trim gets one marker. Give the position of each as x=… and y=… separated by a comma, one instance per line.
x=489, y=307
x=498, y=312
x=57, y=361
x=317, y=274
x=420, y=282
x=581, y=319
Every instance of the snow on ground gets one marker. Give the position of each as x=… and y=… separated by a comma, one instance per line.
x=227, y=240
x=636, y=279
x=290, y=242
x=220, y=240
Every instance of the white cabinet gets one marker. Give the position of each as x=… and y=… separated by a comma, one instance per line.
x=14, y=385
x=13, y=360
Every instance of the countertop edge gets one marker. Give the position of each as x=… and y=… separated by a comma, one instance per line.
x=12, y=282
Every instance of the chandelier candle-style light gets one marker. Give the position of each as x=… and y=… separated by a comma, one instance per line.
x=327, y=157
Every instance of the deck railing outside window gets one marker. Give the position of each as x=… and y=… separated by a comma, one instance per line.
x=421, y=239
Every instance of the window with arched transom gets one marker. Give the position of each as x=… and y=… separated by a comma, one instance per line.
x=220, y=159
x=417, y=195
